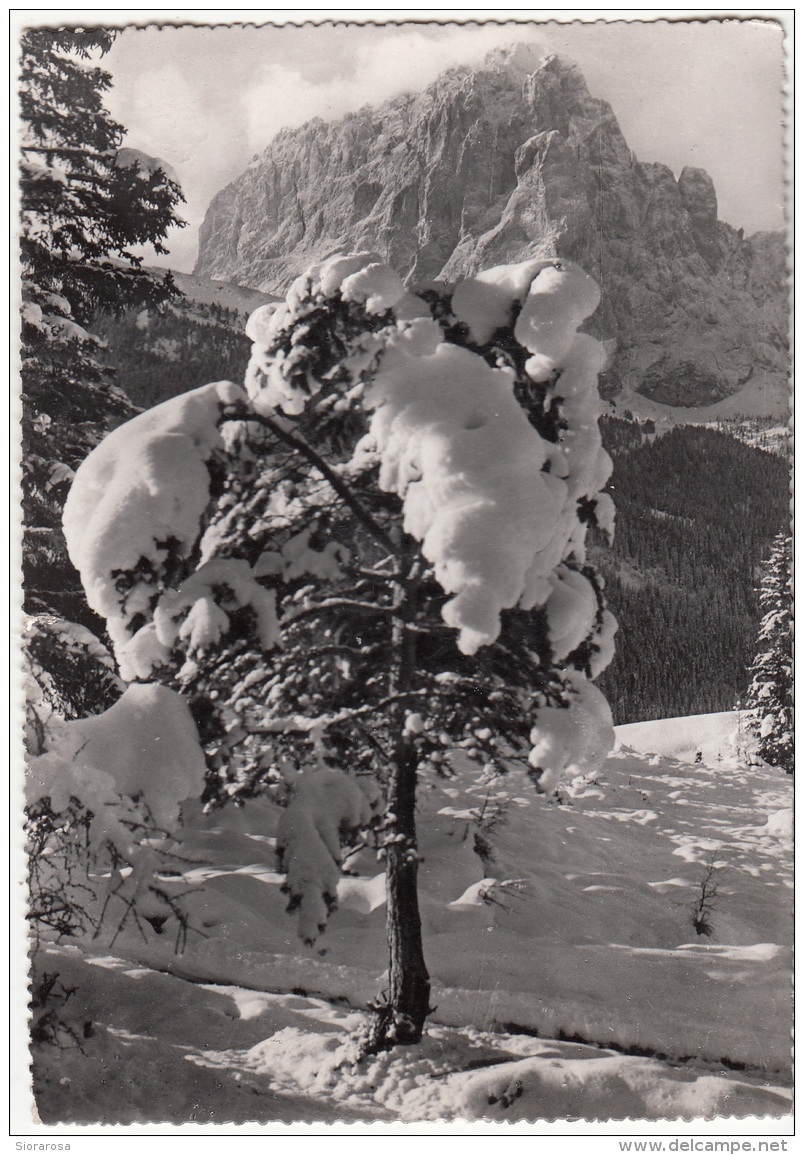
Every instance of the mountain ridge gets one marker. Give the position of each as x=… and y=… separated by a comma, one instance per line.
x=503, y=163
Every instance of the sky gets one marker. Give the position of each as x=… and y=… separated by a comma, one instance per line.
x=207, y=99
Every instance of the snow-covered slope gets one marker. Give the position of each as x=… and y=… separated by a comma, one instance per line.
x=569, y=920
x=761, y=396
x=716, y=737
x=209, y=291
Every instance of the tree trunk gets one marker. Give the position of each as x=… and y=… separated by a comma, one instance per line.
x=409, y=982
x=402, y=1018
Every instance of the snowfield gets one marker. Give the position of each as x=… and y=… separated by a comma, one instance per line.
x=568, y=980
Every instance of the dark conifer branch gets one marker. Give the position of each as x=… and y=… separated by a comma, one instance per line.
x=344, y=491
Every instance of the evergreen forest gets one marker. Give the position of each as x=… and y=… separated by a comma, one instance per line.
x=697, y=511
x=158, y=353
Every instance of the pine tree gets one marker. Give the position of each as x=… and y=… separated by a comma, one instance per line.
x=368, y=569
x=85, y=202
x=770, y=694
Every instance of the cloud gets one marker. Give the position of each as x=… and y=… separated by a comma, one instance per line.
x=393, y=62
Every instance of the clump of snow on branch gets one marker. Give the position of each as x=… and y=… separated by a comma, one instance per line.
x=374, y=285
x=603, y=643
x=484, y=302
x=361, y=278
x=559, y=299
x=587, y=464
x=571, y=610
x=460, y=452
x=198, y=613
x=572, y=739
x=605, y=514
x=145, y=746
x=299, y=558
x=140, y=495
x=327, y=808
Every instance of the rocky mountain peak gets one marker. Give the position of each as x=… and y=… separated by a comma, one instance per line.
x=513, y=160
x=697, y=191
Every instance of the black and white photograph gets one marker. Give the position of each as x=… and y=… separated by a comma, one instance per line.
x=404, y=465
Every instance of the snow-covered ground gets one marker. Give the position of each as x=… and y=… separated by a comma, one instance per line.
x=773, y=439
x=568, y=978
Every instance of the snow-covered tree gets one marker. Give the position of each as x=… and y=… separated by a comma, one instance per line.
x=770, y=694
x=85, y=201
x=368, y=566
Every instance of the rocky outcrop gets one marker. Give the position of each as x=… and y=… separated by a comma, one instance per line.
x=699, y=199
x=511, y=161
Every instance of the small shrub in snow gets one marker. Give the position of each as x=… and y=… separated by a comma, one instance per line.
x=49, y=1025
x=705, y=903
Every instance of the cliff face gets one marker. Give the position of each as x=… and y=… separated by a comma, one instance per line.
x=508, y=162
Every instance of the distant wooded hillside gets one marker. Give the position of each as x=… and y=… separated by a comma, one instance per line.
x=697, y=511
x=158, y=353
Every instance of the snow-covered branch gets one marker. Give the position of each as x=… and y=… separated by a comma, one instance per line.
x=138, y=499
